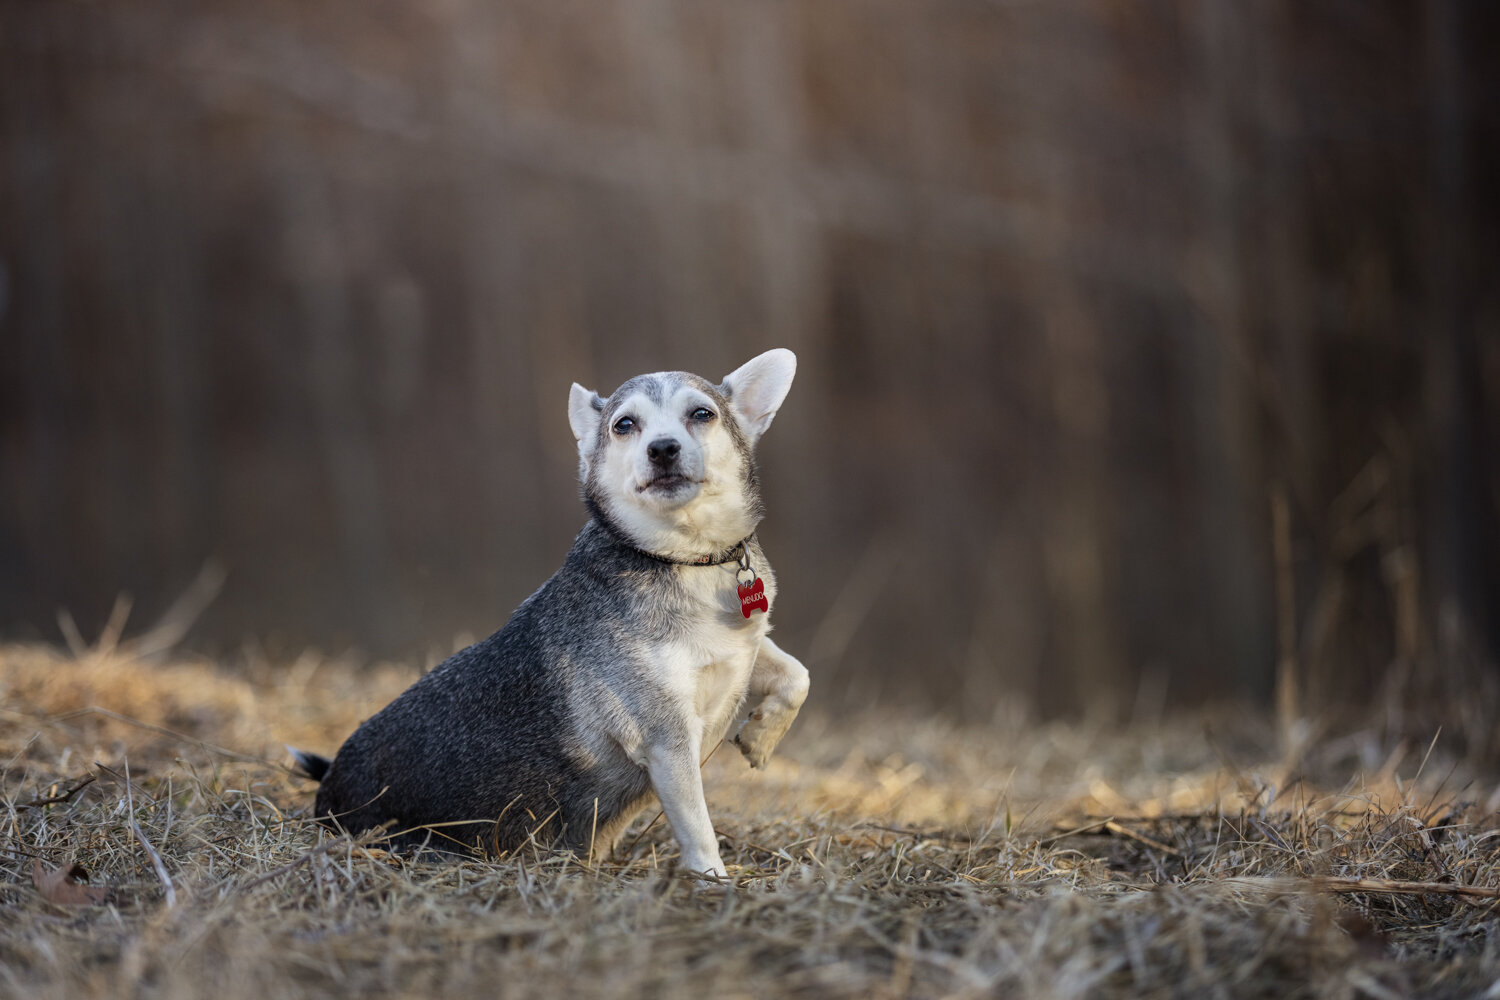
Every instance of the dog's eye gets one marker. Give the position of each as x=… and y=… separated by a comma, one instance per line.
x=624, y=425
x=702, y=414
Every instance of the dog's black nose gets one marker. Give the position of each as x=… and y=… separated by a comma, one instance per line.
x=663, y=451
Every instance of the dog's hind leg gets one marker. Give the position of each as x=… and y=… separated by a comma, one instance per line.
x=778, y=687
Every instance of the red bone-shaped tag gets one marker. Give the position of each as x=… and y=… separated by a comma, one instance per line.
x=753, y=597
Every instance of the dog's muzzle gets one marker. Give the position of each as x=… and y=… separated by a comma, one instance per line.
x=663, y=452
x=667, y=473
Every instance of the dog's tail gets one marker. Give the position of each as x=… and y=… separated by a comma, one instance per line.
x=311, y=764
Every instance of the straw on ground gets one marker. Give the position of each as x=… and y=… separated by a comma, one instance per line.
x=154, y=845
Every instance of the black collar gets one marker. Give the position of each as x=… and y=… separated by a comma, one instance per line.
x=735, y=553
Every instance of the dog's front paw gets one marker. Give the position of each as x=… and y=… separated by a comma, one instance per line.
x=711, y=868
x=756, y=740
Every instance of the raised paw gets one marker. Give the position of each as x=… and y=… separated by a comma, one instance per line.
x=757, y=739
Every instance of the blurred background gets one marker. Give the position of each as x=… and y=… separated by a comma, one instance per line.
x=1150, y=352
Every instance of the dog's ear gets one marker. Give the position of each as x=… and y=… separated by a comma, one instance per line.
x=585, y=410
x=585, y=407
x=757, y=387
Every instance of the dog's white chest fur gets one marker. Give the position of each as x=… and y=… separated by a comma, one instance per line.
x=708, y=661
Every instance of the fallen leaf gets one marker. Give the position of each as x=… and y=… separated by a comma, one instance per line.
x=61, y=886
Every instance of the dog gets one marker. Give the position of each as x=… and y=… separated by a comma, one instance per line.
x=613, y=680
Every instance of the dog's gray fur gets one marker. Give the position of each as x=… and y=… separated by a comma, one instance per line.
x=613, y=679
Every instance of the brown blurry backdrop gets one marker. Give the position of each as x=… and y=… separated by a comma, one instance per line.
x=1142, y=345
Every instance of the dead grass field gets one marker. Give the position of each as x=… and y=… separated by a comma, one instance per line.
x=876, y=857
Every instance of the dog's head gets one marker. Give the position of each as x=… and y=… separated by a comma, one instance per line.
x=669, y=459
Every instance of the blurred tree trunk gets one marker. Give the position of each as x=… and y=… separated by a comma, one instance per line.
x=1222, y=368
x=1463, y=515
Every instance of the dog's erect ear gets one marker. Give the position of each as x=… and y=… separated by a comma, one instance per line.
x=757, y=387
x=585, y=407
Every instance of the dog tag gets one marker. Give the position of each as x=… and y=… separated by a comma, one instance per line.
x=753, y=597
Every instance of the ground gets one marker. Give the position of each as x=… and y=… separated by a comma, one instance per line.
x=1203, y=855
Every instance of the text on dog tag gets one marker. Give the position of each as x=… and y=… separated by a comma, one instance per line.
x=753, y=597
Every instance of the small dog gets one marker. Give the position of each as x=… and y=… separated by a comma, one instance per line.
x=613, y=680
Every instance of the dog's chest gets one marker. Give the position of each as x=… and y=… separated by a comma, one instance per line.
x=711, y=652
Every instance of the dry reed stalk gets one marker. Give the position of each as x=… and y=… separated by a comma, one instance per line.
x=1288, y=683
x=1328, y=883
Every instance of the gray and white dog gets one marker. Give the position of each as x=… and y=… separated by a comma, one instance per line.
x=615, y=678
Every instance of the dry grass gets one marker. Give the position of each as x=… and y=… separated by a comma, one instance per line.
x=877, y=857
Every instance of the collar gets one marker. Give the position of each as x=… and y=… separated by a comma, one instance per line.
x=734, y=553
x=738, y=552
